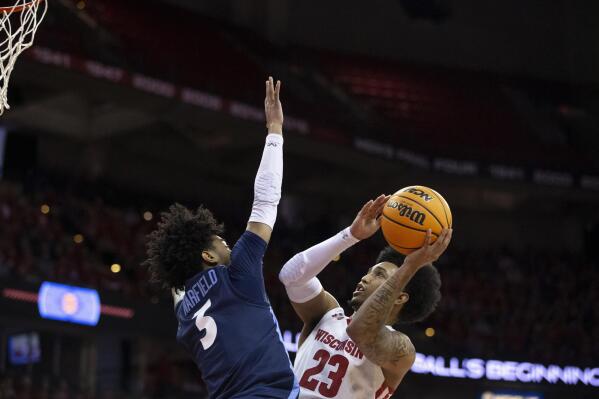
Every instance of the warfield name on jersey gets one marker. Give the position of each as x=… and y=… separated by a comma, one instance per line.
x=198, y=291
x=347, y=345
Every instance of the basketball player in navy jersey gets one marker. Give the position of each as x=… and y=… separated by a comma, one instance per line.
x=362, y=356
x=225, y=318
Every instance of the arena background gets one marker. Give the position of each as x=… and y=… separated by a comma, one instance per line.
x=123, y=107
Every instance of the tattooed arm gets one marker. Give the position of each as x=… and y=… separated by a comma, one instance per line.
x=392, y=350
x=368, y=326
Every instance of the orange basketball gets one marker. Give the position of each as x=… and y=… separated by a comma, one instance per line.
x=409, y=213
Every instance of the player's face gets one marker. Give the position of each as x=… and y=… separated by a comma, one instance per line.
x=221, y=250
x=376, y=276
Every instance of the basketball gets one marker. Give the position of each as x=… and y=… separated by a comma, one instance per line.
x=409, y=213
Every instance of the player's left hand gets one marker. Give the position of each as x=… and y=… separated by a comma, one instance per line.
x=367, y=222
x=430, y=252
x=273, y=109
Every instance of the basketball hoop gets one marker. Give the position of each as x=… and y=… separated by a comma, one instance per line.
x=18, y=25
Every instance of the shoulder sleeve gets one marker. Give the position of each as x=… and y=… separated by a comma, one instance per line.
x=245, y=270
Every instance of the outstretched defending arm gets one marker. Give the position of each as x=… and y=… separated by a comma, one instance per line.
x=392, y=350
x=245, y=267
x=307, y=296
x=267, y=186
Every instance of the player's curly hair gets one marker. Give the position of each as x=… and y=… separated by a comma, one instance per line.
x=424, y=289
x=175, y=248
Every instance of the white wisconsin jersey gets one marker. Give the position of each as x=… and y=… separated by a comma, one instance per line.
x=330, y=365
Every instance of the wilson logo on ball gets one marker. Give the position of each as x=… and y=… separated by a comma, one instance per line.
x=407, y=211
x=425, y=196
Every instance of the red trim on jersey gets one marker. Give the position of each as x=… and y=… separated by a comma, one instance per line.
x=384, y=392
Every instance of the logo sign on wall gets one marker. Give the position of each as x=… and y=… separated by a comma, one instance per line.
x=67, y=303
x=489, y=369
x=501, y=370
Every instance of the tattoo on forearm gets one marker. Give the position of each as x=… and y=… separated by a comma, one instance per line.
x=379, y=344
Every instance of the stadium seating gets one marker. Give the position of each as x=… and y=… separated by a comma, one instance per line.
x=155, y=37
x=433, y=110
x=517, y=303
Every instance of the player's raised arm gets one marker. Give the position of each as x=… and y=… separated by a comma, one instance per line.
x=305, y=291
x=267, y=186
x=392, y=350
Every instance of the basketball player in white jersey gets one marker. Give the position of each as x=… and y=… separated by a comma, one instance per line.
x=362, y=356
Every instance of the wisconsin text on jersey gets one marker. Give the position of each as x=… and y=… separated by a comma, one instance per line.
x=198, y=291
x=347, y=345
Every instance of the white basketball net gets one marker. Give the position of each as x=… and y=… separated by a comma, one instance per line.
x=17, y=31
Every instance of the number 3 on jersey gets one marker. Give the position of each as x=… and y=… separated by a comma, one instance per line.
x=206, y=323
x=327, y=390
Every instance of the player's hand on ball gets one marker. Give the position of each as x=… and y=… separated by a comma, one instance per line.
x=272, y=107
x=430, y=252
x=367, y=222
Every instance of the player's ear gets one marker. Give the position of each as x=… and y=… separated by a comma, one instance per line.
x=209, y=257
x=402, y=298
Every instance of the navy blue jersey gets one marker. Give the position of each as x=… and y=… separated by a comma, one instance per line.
x=226, y=322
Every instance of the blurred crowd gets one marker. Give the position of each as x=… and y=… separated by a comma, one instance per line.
x=60, y=237
x=24, y=386
x=528, y=305
x=523, y=306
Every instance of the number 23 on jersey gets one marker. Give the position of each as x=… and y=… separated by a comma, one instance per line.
x=328, y=389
